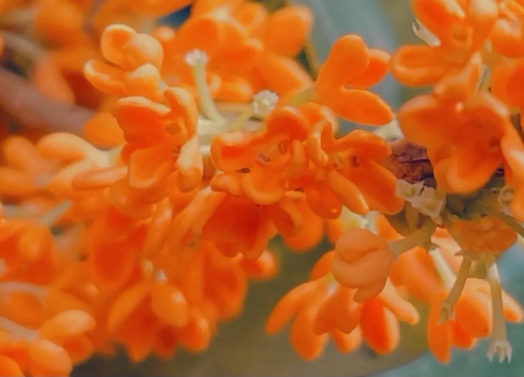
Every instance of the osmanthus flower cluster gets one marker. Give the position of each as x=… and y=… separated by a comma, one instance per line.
x=213, y=140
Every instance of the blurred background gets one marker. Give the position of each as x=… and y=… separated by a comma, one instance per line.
x=241, y=347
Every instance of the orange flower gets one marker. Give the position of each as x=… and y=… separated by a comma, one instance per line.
x=45, y=352
x=313, y=229
x=271, y=158
x=322, y=308
x=364, y=260
x=26, y=172
x=158, y=304
x=508, y=33
x=461, y=30
x=351, y=63
x=348, y=170
x=356, y=266
x=469, y=133
x=136, y=58
x=234, y=224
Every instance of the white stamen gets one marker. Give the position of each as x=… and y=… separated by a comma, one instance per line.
x=390, y=131
x=426, y=200
x=350, y=219
x=264, y=102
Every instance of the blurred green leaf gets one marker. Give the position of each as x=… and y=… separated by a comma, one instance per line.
x=242, y=348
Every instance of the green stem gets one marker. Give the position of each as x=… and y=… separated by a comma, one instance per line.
x=418, y=238
x=445, y=272
x=17, y=331
x=52, y=216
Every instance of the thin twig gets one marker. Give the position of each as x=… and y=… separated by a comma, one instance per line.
x=22, y=45
x=31, y=108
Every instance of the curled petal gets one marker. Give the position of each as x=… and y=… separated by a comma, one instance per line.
x=360, y=106
x=233, y=151
x=347, y=59
x=283, y=75
x=364, y=145
x=508, y=37
x=383, y=197
x=297, y=21
x=149, y=167
x=190, y=165
x=323, y=201
x=369, y=291
x=419, y=65
x=263, y=185
x=288, y=120
x=201, y=32
x=372, y=268
x=113, y=38
x=144, y=81
x=287, y=217
x=134, y=113
x=68, y=147
x=375, y=71
x=105, y=77
x=183, y=104
x=347, y=193
x=425, y=121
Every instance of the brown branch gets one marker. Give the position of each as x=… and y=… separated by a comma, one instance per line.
x=31, y=108
x=409, y=162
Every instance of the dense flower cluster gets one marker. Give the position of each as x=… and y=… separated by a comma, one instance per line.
x=209, y=140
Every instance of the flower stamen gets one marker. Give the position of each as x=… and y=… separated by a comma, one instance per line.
x=198, y=59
